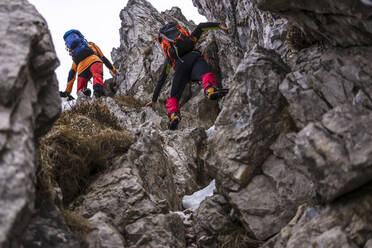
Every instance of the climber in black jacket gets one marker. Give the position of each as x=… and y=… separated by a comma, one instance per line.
x=189, y=65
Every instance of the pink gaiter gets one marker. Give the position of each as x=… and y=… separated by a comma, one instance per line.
x=172, y=105
x=208, y=80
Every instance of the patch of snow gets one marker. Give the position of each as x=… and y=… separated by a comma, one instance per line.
x=186, y=218
x=67, y=105
x=209, y=131
x=193, y=201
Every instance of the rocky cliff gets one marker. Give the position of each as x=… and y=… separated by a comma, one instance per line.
x=29, y=105
x=289, y=147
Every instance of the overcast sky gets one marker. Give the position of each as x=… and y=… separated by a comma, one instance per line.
x=98, y=21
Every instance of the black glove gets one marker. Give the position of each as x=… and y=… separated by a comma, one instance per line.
x=66, y=94
x=63, y=94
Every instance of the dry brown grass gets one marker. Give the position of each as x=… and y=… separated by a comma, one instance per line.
x=238, y=239
x=96, y=111
x=147, y=51
x=296, y=39
x=129, y=102
x=81, y=144
x=78, y=225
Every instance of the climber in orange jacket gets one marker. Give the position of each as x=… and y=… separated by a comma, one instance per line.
x=88, y=61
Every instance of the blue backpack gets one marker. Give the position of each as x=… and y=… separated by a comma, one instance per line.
x=75, y=41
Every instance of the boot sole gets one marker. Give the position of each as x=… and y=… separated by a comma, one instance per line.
x=218, y=94
x=173, y=125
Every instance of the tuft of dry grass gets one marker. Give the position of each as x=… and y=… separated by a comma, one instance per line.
x=296, y=38
x=126, y=101
x=78, y=225
x=81, y=144
x=147, y=51
x=95, y=111
x=238, y=239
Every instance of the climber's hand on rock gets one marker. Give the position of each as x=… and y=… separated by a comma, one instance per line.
x=114, y=73
x=224, y=28
x=151, y=104
x=63, y=94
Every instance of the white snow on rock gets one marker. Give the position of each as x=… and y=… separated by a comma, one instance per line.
x=209, y=131
x=193, y=201
x=186, y=218
x=67, y=105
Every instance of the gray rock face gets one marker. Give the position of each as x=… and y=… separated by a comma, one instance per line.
x=48, y=229
x=118, y=194
x=335, y=153
x=169, y=163
x=345, y=23
x=134, y=120
x=249, y=25
x=212, y=220
x=271, y=199
x=154, y=168
x=368, y=244
x=322, y=84
x=344, y=223
x=104, y=235
x=326, y=159
x=252, y=117
x=146, y=182
x=29, y=103
x=156, y=231
x=321, y=80
x=137, y=38
x=184, y=150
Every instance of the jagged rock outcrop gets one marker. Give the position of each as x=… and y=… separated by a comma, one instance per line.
x=140, y=20
x=322, y=84
x=344, y=223
x=250, y=120
x=148, y=182
x=117, y=194
x=322, y=79
x=270, y=200
x=212, y=220
x=164, y=230
x=47, y=228
x=249, y=26
x=282, y=133
x=346, y=23
x=334, y=153
x=29, y=105
x=105, y=235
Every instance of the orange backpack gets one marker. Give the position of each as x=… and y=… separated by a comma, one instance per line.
x=175, y=41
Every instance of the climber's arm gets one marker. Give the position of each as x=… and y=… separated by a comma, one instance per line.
x=71, y=78
x=205, y=26
x=161, y=81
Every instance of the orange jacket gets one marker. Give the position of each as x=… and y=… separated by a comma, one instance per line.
x=83, y=64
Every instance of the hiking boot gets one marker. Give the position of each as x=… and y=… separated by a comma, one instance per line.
x=86, y=92
x=173, y=121
x=216, y=93
x=98, y=90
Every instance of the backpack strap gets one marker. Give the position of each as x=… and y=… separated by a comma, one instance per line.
x=186, y=33
x=165, y=44
x=165, y=37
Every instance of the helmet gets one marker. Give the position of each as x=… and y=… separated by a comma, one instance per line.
x=75, y=31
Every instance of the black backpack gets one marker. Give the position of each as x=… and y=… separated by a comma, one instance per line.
x=175, y=41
